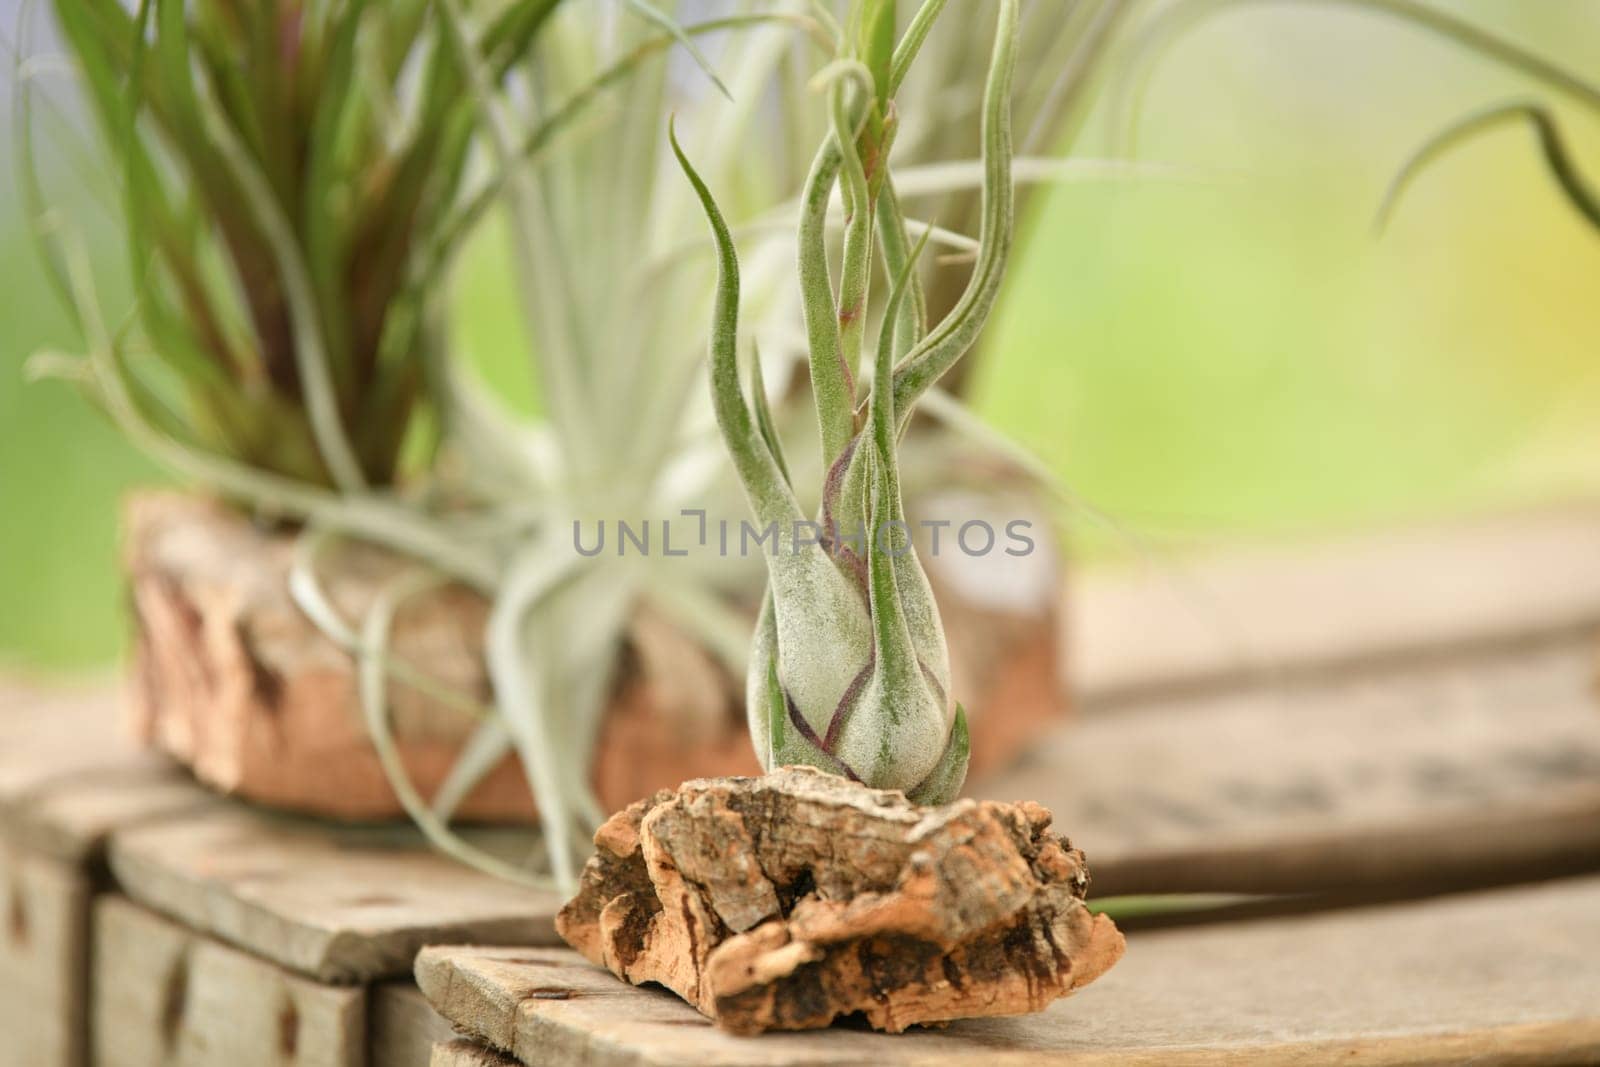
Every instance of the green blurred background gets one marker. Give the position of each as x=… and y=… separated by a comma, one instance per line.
x=1225, y=355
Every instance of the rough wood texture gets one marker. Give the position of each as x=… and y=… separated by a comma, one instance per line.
x=44, y=907
x=233, y=681
x=1441, y=772
x=231, y=678
x=1490, y=768
x=1246, y=613
x=164, y=995
x=462, y=1053
x=1500, y=978
x=68, y=775
x=336, y=903
x=402, y=1026
x=785, y=901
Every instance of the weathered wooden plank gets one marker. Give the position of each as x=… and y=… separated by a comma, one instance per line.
x=402, y=1026
x=1444, y=771
x=49, y=729
x=69, y=774
x=336, y=903
x=72, y=817
x=44, y=909
x=467, y=1054
x=164, y=995
x=1488, y=768
x=1505, y=977
x=1220, y=618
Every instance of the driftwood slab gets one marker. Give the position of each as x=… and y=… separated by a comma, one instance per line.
x=340, y=904
x=1503, y=977
x=1442, y=772
x=785, y=901
x=165, y=996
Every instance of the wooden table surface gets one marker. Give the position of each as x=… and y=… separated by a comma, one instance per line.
x=1385, y=715
x=1502, y=977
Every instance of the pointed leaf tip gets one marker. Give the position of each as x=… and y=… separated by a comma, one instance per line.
x=654, y=14
x=943, y=784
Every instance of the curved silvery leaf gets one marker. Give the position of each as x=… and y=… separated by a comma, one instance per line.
x=850, y=670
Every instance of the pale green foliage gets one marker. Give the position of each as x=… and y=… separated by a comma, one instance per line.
x=572, y=154
x=850, y=671
x=288, y=174
x=418, y=118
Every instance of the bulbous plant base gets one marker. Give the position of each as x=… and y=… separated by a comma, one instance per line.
x=233, y=681
x=787, y=901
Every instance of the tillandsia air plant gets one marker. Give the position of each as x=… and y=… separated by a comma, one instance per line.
x=849, y=671
x=535, y=106
x=316, y=215
x=296, y=179
x=289, y=175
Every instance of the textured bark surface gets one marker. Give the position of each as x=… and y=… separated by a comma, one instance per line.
x=233, y=681
x=786, y=901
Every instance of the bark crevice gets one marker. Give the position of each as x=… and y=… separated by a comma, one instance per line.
x=791, y=900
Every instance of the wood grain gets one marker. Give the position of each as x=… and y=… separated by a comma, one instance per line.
x=1488, y=766
x=463, y=1053
x=1442, y=771
x=164, y=995
x=402, y=1026
x=336, y=903
x=1503, y=977
x=44, y=906
x=68, y=774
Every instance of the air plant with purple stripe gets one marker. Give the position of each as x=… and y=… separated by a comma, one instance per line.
x=850, y=670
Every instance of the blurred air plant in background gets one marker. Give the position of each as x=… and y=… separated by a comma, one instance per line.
x=287, y=203
x=850, y=670
x=298, y=177
x=1166, y=26
x=317, y=193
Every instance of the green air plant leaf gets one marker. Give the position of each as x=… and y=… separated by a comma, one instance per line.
x=671, y=25
x=1164, y=30
x=849, y=670
x=1171, y=24
x=328, y=154
x=1558, y=160
x=288, y=173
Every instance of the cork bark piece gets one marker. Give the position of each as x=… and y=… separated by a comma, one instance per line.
x=787, y=901
x=232, y=680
